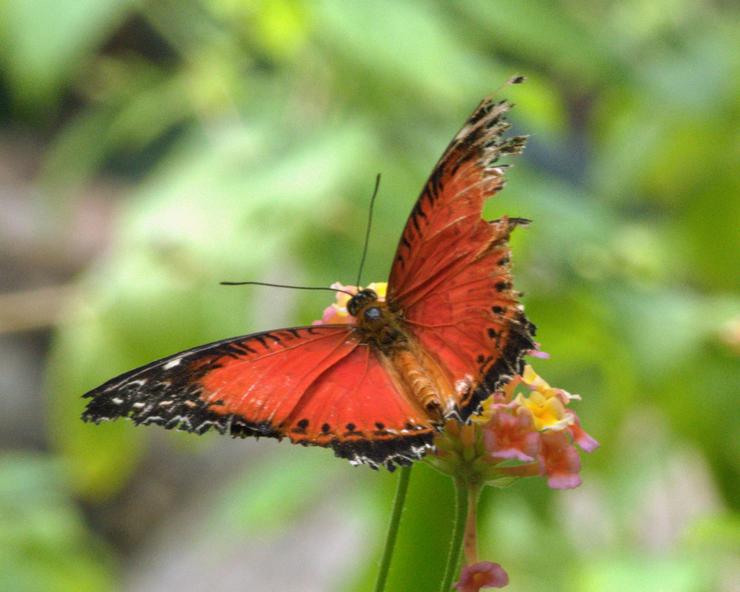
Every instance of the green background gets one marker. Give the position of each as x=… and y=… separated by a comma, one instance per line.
x=156, y=148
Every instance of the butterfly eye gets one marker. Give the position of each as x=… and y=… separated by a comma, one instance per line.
x=372, y=313
x=353, y=305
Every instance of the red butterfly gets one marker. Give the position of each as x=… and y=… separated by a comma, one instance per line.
x=450, y=332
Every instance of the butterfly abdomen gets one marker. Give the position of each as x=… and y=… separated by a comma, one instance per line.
x=425, y=384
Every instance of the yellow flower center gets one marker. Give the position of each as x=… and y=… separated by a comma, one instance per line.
x=548, y=412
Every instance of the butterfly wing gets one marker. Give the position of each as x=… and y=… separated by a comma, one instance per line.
x=314, y=385
x=451, y=275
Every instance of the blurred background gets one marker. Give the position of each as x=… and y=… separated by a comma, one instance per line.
x=150, y=149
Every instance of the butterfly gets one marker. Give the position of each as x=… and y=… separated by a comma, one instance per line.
x=449, y=333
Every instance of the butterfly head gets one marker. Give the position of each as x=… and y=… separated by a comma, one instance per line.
x=364, y=300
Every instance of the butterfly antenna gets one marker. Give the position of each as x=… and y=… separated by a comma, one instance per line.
x=285, y=286
x=369, y=225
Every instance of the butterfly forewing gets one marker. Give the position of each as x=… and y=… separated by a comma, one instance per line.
x=451, y=276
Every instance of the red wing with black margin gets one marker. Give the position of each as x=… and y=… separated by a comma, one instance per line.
x=451, y=276
x=314, y=385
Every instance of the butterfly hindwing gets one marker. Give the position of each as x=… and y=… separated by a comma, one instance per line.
x=314, y=385
x=362, y=413
x=451, y=276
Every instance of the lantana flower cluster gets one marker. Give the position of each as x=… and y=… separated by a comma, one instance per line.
x=528, y=429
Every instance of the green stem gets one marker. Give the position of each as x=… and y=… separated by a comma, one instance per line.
x=458, y=532
x=471, y=531
x=390, y=540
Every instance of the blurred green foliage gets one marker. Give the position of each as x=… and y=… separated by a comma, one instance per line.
x=250, y=134
x=44, y=542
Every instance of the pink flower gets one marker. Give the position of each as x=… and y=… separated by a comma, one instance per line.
x=483, y=574
x=538, y=353
x=580, y=437
x=512, y=436
x=560, y=461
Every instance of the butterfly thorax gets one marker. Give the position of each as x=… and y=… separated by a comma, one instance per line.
x=382, y=328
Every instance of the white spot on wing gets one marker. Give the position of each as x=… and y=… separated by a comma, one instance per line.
x=463, y=385
x=172, y=363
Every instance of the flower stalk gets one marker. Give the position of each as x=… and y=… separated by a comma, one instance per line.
x=390, y=541
x=458, y=534
x=471, y=531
